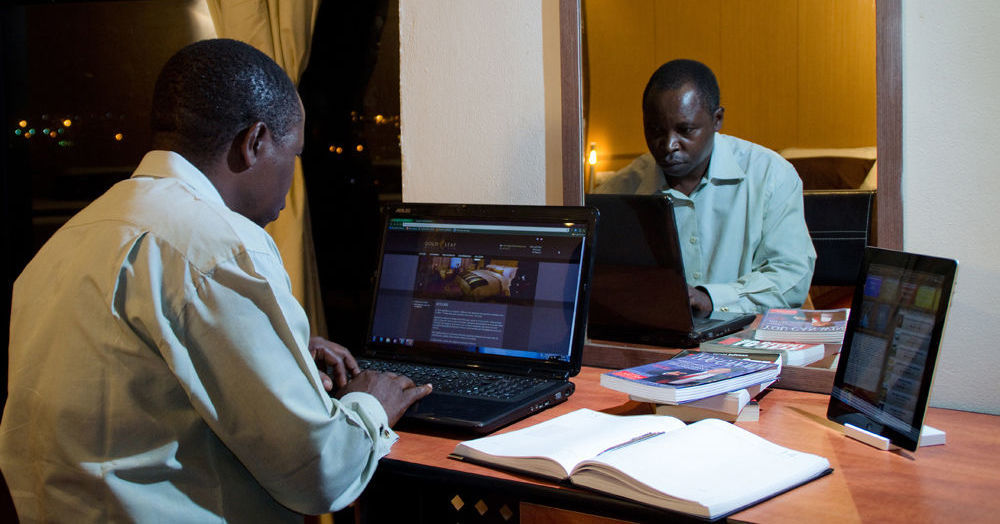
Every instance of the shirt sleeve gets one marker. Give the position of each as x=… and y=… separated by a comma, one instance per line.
x=236, y=339
x=783, y=261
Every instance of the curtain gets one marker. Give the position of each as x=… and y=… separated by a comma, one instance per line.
x=283, y=30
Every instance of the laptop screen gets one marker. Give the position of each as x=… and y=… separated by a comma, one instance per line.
x=460, y=283
x=644, y=264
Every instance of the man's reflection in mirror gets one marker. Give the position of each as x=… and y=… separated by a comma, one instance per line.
x=738, y=205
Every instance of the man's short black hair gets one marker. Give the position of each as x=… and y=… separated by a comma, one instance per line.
x=212, y=89
x=676, y=73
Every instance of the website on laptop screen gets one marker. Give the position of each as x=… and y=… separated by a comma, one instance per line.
x=479, y=287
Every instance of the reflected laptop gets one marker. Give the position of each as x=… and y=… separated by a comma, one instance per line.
x=640, y=291
x=495, y=291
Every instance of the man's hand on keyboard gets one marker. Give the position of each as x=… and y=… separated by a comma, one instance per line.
x=332, y=359
x=395, y=392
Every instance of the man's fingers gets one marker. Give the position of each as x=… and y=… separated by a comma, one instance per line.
x=418, y=392
x=327, y=381
x=335, y=359
x=334, y=354
x=405, y=382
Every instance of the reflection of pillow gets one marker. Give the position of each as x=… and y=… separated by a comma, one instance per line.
x=504, y=271
x=832, y=172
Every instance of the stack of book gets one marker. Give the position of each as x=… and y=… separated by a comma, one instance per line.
x=722, y=382
x=804, y=325
x=735, y=406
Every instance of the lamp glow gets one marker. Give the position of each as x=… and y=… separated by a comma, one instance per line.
x=592, y=160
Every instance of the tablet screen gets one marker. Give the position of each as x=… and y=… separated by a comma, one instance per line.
x=887, y=360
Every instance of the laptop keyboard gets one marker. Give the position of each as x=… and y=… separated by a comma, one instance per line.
x=480, y=384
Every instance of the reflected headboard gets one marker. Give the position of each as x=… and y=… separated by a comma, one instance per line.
x=834, y=168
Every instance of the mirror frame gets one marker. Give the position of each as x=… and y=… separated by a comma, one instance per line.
x=888, y=201
x=889, y=108
x=570, y=61
x=889, y=123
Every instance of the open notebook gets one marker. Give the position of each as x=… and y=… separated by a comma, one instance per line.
x=500, y=292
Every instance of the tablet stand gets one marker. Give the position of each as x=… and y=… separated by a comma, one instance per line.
x=929, y=436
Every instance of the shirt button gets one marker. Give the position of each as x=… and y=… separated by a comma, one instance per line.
x=696, y=275
x=724, y=308
x=693, y=240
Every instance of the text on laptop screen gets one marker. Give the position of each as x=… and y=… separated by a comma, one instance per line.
x=487, y=287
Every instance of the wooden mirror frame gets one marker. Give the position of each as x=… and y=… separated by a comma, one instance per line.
x=570, y=61
x=889, y=136
x=889, y=122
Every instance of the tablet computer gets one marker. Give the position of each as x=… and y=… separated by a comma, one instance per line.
x=887, y=361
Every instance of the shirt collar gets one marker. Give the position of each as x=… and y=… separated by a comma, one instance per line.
x=167, y=164
x=721, y=166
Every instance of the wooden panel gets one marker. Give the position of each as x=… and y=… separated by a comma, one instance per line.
x=570, y=93
x=889, y=203
x=759, y=71
x=538, y=514
x=836, y=73
x=686, y=29
x=792, y=72
x=621, y=50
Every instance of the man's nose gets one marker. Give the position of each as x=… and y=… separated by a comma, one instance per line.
x=673, y=142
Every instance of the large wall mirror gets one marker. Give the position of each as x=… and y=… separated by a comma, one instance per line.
x=794, y=74
x=799, y=76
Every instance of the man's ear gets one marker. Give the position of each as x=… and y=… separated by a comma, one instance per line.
x=249, y=144
x=717, y=118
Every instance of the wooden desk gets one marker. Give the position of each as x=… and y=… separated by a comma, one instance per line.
x=956, y=482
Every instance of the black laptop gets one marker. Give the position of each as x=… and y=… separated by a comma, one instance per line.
x=640, y=291
x=497, y=292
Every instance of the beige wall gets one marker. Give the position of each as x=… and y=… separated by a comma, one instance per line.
x=793, y=73
x=480, y=102
x=951, y=74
